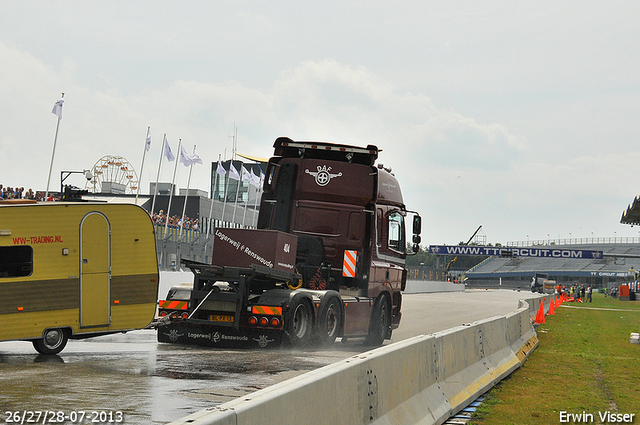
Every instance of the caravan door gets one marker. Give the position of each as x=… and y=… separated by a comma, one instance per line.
x=95, y=270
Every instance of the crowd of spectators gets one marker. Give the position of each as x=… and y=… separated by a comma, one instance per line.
x=175, y=221
x=158, y=218
x=19, y=193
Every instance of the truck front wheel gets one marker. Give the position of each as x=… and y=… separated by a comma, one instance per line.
x=380, y=324
x=53, y=341
x=299, y=322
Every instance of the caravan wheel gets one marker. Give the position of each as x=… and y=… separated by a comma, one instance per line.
x=53, y=341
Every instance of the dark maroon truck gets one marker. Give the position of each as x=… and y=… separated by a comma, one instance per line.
x=327, y=259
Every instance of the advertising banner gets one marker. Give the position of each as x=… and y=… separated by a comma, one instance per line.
x=502, y=251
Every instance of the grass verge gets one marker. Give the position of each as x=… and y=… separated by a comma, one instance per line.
x=584, y=365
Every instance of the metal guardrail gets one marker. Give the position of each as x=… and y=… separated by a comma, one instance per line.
x=175, y=234
x=174, y=244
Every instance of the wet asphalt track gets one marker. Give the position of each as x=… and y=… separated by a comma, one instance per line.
x=151, y=382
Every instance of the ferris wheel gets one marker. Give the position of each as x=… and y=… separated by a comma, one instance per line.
x=113, y=174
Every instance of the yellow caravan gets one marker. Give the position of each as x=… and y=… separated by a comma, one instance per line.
x=74, y=270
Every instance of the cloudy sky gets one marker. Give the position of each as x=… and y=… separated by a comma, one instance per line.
x=522, y=117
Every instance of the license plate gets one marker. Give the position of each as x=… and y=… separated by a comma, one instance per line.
x=220, y=318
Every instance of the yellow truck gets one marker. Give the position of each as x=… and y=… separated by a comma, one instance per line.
x=72, y=270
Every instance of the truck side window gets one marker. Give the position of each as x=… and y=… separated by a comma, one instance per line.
x=396, y=231
x=16, y=261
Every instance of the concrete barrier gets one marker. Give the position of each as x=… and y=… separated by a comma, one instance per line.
x=429, y=286
x=534, y=304
x=521, y=336
x=424, y=380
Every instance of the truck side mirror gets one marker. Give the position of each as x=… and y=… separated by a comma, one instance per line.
x=417, y=224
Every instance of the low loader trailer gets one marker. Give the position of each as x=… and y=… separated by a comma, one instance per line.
x=327, y=259
x=71, y=270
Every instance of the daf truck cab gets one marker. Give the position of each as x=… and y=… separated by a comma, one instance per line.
x=327, y=258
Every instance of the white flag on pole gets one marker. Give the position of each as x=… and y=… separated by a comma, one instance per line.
x=221, y=171
x=245, y=174
x=233, y=173
x=195, y=159
x=184, y=157
x=57, y=108
x=167, y=151
x=254, y=180
x=147, y=144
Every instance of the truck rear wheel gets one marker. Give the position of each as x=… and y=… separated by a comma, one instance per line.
x=380, y=324
x=53, y=341
x=299, y=322
x=330, y=320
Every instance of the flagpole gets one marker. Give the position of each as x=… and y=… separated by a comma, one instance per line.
x=226, y=191
x=184, y=208
x=155, y=189
x=142, y=166
x=213, y=191
x=233, y=154
x=55, y=140
x=261, y=190
x=235, y=205
x=175, y=168
x=235, y=141
x=244, y=216
x=255, y=207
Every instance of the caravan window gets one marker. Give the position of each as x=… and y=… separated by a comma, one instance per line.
x=16, y=261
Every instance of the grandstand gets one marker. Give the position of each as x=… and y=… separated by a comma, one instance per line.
x=619, y=264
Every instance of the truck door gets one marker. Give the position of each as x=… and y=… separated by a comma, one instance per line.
x=390, y=245
x=95, y=270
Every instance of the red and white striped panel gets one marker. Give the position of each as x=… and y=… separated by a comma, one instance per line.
x=349, y=264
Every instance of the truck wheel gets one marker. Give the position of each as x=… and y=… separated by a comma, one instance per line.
x=299, y=325
x=52, y=341
x=329, y=320
x=380, y=322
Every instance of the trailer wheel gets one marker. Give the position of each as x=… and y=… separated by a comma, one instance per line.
x=380, y=324
x=299, y=324
x=53, y=341
x=330, y=318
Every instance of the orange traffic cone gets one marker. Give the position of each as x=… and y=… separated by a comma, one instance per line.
x=540, y=314
x=552, y=307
